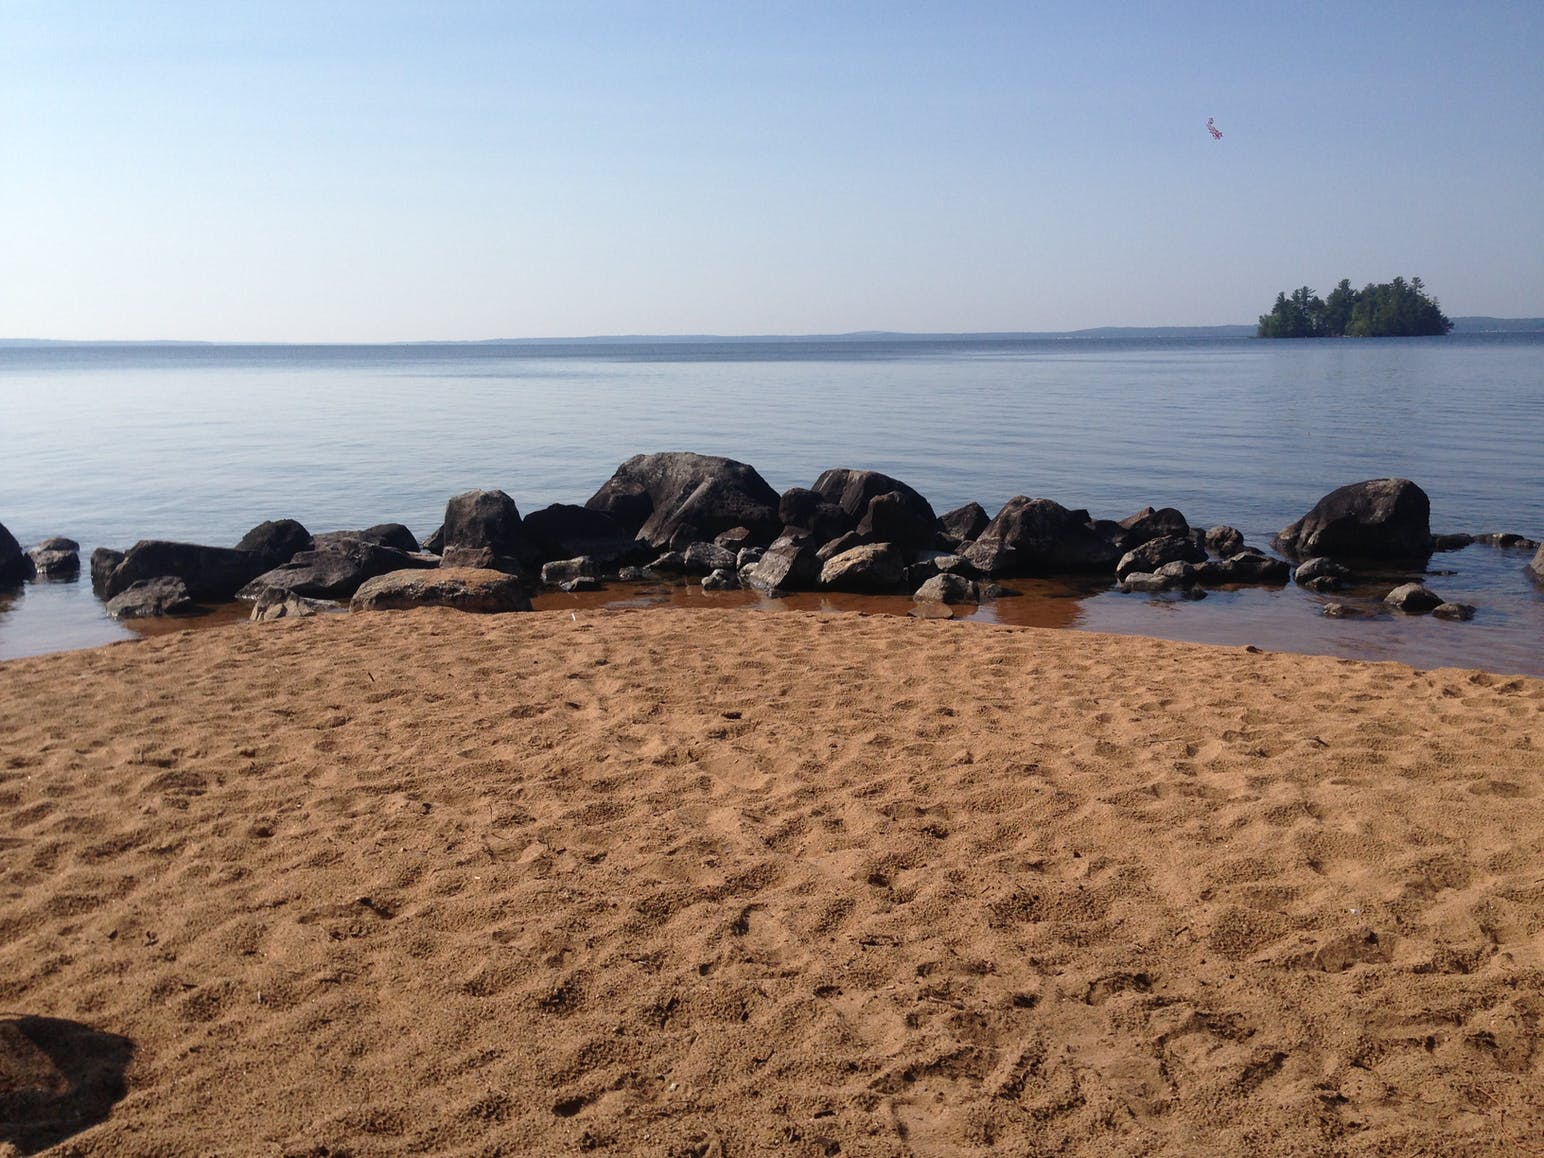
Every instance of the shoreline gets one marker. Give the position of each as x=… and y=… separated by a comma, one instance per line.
x=703, y=881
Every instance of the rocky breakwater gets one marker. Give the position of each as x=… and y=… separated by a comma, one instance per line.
x=713, y=520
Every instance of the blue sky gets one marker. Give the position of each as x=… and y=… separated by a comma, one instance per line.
x=383, y=171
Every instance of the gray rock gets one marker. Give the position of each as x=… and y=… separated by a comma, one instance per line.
x=334, y=572
x=482, y=590
x=1460, y=612
x=947, y=588
x=962, y=525
x=735, y=538
x=1321, y=574
x=149, y=598
x=580, y=583
x=1040, y=537
x=901, y=516
x=871, y=568
x=1155, y=552
x=705, y=558
x=786, y=566
x=1146, y=582
x=1385, y=518
x=843, y=542
x=656, y=496
x=562, y=570
x=1413, y=599
x=483, y=530
x=670, y=563
x=1253, y=567
x=275, y=605
x=746, y=556
x=1224, y=541
x=214, y=574
x=55, y=558
x=722, y=579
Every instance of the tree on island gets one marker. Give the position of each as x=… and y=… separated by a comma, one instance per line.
x=1396, y=309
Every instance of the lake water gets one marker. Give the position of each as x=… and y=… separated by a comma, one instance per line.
x=110, y=444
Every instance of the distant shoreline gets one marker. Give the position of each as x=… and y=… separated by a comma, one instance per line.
x=1461, y=325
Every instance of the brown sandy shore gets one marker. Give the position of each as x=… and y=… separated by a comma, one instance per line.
x=725, y=883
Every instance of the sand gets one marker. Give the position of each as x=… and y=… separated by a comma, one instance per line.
x=732, y=883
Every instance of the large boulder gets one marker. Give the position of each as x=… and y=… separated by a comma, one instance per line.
x=335, y=571
x=483, y=529
x=802, y=509
x=15, y=566
x=1040, y=537
x=565, y=531
x=149, y=598
x=1382, y=518
x=677, y=494
x=876, y=568
x=276, y=541
x=212, y=574
x=902, y=517
x=463, y=588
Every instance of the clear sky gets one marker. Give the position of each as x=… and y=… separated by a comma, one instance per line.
x=324, y=170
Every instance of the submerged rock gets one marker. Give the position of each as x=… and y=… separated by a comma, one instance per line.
x=1413, y=599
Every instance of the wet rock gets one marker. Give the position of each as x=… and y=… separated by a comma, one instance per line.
x=1145, y=582
x=786, y=566
x=15, y=567
x=481, y=590
x=55, y=558
x=580, y=583
x=1148, y=524
x=562, y=570
x=1413, y=599
x=1040, y=537
x=947, y=588
x=1455, y=542
x=1153, y=553
x=104, y=561
x=1459, y=612
x=1253, y=567
x=275, y=605
x=149, y=598
x=1386, y=518
x=1321, y=574
x=1509, y=540
x=705, y=558
x=1224, y=541
x=722, y=579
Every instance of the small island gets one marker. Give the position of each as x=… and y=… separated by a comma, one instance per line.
x=1396, y=309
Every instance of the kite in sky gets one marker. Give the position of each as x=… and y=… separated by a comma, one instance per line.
x=1213, y=130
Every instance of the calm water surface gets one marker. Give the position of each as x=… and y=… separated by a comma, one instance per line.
x=110, y=444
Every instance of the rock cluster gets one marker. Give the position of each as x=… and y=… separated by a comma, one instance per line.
x=719, y=522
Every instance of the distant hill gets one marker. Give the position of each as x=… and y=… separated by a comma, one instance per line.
x=1483, y=325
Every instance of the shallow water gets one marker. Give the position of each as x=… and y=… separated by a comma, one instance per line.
x=112, y=444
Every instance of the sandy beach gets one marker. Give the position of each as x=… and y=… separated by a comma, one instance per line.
x=729, y=883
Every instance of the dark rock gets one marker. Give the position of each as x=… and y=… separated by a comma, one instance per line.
x=1386, y=518
x=722, y=579
x=962, y=525
x=149, y=598
x=1180, y=572
x=652, y=496
x=786, y=566
x=1148, y=524
x=1150, y=554
x=104, y=560
x=391, y=535
x=274, y=605
x=1321, y=574
x=15, y=566
x=919, y=573
x=563, y=531
x=905, y=514
x=705, y=558
x=480, y=590
x=1455, y=542
x=334, y=572
x=997, y=591
x=435, y=543
x=484, y=528
x=562, y=570
x=212, y=574
x=670, y=563
x=1507, y=539
x=1040, y=537
x=1413, y=599
x=581, y=583
x=747, y=556
x=806, y=510
x=1253, y=567
x=1459, y=612
x=870, y=568
x=1224, y=540
x=843, y=542
x=947, y=588
x=636, y=575
x=895, y=517
x=735, y=538
x=277, y=541
x=1343, y=611
x=55, y=558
